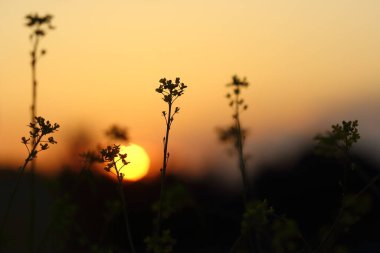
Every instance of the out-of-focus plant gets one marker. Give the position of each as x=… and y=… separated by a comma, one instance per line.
x=116, y=132
x=40, y=129
x=236, y=133
x=338, y=143
x=339, y=140
x=39, y=26
x=170, y=92
x=111, y=156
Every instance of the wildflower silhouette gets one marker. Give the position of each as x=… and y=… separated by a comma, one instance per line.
x=111, y=156
x=39, y=129
x=170, y=92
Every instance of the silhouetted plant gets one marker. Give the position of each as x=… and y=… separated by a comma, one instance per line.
x=339, y=140
x=91, y=156
x=64, y=209
x=170, y=92
x=338, y=143
x=39, y=26
x=39, y=129
x=111, y=156
x=235, y=133
x=230, y=134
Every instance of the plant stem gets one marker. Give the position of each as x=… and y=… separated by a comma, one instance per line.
x=243, y=173
x=163, y=170
x=125, y=213
x=240, y=151
x=124, y=205
x=33, y=109
x=242, y=162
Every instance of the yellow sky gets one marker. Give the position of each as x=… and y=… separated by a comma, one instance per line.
x=309, y=64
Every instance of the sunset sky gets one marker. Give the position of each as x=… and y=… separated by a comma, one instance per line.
x=310, y=64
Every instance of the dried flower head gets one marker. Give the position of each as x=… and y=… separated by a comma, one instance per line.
x=38, y=129
x=234, y=97
x=38, y=23
x=171, y=90
x=111, y=156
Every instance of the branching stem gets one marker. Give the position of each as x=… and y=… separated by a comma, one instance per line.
x=163, y=170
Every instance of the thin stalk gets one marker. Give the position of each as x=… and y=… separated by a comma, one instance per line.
x=33, y=63
x=242, y=162
x=242, y=168
x=163, y=170
x=33, y=110
x=240, y=151
x=126, y=219
x=124, y=205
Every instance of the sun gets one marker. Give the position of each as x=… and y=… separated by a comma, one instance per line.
x=138, y=160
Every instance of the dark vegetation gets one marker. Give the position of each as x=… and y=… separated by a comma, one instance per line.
x=206, y=217
x=326, y=201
